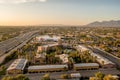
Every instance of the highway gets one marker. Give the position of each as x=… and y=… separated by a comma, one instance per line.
x=107, y=55
x=9, y=46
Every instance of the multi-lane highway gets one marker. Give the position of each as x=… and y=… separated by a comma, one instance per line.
x=8, y=46
x=107, y=55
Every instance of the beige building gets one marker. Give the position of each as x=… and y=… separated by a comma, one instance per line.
x=47, y=68
x=17, y=67
x=82, y=48
x=86, y=66
x=47, y=38
x=63, y=57
x=105, y=63
x=45, y=47
x=40, y=58
x=75, y=75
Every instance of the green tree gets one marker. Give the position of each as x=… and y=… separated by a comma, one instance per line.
x=46, y=77
x=2, y=70
x=8, y=78
x=99, y=75
x=64, y=76
x=18, y=77
x=109, y=77
x=21, y=77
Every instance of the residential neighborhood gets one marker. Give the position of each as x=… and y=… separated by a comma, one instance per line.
x=49, y=54
x=59, y=40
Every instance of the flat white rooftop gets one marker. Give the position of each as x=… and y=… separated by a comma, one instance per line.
x=75, y=75
x=47, y=37
x=50, y=45
x=82, y=48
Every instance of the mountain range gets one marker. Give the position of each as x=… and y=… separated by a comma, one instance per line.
x=111, y=23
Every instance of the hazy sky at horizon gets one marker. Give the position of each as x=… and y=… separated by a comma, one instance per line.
x=66, y=12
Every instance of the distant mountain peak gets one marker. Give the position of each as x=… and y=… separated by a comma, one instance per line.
x=111, y=23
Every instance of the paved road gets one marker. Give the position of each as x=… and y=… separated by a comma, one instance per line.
x=89, y=73
x=7, y=45
x=2, y=57
x=106, y=55
x=84, y=73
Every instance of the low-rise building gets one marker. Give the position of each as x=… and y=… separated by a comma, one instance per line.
x=82, y=48
x=47, y=38
x=86, y=66
x=105, y=63
x=75, y=75
x=64, y=58
x=17, y=67
x=47, y=68
x=40, y=58
x=45, y=47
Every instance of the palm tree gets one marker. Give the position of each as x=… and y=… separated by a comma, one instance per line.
x=64, y=76
x=109, y=77
x=99, y=75
x=46, y=77
x=103, y=63
x=33, y=56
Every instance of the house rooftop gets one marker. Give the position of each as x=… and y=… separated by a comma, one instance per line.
x=82, y=48
x=50, y=45
x=75, y=75
x=47, y=67
x=86, y=64
x=18, y=64
x=101, y=58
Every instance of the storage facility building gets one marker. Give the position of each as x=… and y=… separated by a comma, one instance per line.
x=86, y=66
x=47, y=68
x=17, y=67
x=104, y=62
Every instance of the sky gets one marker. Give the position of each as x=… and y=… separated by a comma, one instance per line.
x=57, y=12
